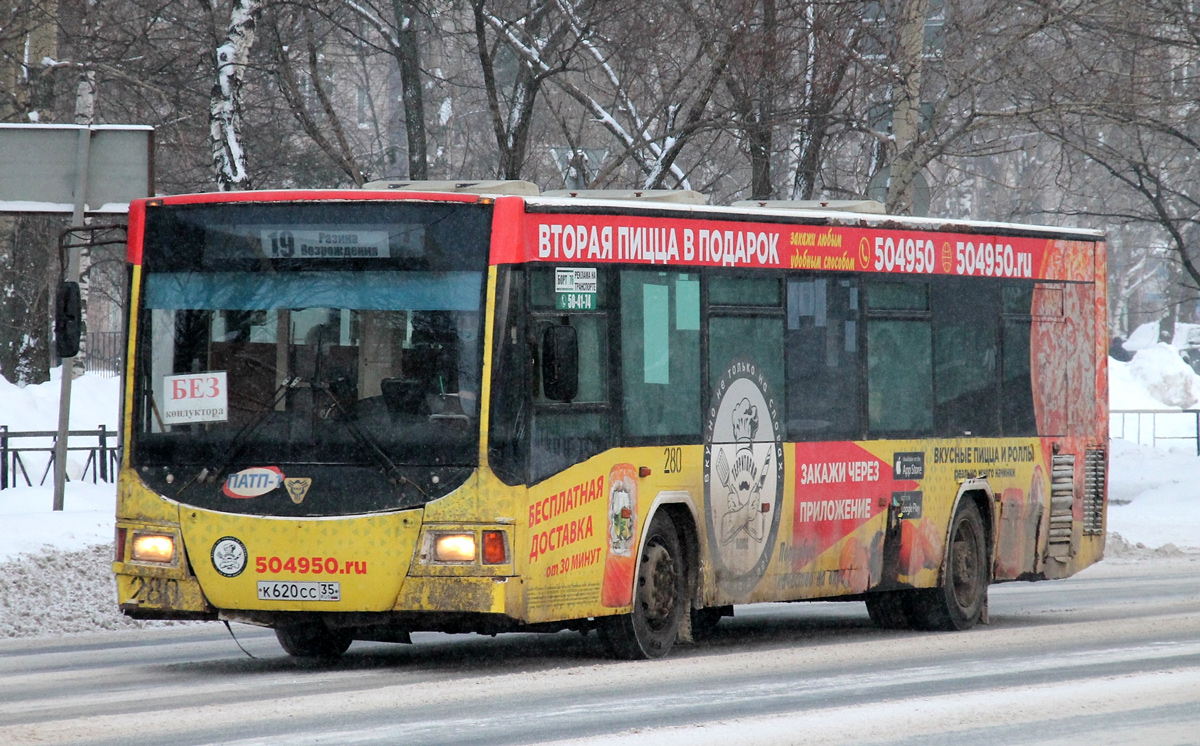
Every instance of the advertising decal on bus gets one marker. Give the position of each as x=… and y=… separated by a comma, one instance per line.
x=743, y=476
x=253, y=482
x=675, y=241
x=229, y=556
x=620, y=549
x=839, y=488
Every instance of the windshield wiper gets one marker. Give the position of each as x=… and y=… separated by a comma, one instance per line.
x=390, y=470
x=238, y=442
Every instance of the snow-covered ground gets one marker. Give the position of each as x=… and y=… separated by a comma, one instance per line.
x=58, y=562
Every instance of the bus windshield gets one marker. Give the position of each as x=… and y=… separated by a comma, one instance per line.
x=329, y=352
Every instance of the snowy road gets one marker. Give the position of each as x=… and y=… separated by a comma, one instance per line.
x=1112, y=656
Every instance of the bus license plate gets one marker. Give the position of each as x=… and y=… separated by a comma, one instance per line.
x=287, y=590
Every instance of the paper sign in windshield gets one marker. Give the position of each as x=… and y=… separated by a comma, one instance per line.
x=195, y=397
x=331, y=244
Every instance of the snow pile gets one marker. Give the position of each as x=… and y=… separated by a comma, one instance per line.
x=1152, y=496
x=34, y=408
x=94, y=402
x=1125, y=391
x=1165, y=376
x=28, y=522
x=1118, y=547
x=61, y=592
x=1150, y=334
x=58, y=563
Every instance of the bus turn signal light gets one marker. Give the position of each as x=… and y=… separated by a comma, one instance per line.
x=454, y=548
x=153, y=548
x=494, y=550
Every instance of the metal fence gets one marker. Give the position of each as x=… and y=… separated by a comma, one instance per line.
x=1151, y=426
x=105, y=351
x=23, y=454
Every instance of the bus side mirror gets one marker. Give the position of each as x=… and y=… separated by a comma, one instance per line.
x=560, y=363
x=68, y=320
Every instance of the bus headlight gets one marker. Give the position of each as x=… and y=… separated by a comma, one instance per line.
x=454, y=548
x=153, y=548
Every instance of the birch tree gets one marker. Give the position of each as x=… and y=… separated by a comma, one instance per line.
x=225, y=107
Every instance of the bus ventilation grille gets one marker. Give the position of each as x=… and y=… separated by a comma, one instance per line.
x=1062, y=497
x=1093, y=491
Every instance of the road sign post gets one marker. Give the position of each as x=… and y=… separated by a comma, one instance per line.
x=83, y=170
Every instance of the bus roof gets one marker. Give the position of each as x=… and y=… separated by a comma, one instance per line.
x=773, y=213
x=627, y=202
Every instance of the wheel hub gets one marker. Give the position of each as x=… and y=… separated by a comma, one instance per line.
x=657, y=585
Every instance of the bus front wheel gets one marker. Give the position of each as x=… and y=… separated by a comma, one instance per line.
x=660, y=597
x=957, y=603
x=312, y=640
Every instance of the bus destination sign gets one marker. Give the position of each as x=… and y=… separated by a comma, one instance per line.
x=319, y=244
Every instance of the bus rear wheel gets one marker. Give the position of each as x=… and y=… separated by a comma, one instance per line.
x=660, y=597
x=312, y=640
x=961, y=596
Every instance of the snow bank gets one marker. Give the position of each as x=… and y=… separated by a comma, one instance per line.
x=1126, y=392
x=28, y=522
x=94, y=402
x=56, y=592
x=1163, y=374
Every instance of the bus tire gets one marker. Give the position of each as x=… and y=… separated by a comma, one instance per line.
x=888, y=609
x=660, y=597
x=312, y=640
x=957, y=603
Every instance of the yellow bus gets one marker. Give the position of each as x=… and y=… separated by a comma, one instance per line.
x=352, y=415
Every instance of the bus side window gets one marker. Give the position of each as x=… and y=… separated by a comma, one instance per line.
x=746, y=325
x=660, y=355
x=899, y=359
x=966, y=348
x=1017, y=410
x=566, y=433
x=509, y=420
x=823, y=358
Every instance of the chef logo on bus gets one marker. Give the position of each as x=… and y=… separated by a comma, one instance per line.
x=229, y=556
x=743, y=476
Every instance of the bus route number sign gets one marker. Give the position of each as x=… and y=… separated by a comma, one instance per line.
x=575, y=288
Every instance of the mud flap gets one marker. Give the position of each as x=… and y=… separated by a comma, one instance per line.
x=889, y=578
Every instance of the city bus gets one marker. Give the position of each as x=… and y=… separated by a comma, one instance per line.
x=474, y=407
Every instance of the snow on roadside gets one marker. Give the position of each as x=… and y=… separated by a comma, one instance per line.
x=56, y=592
x=56, y=566
x=29, y=524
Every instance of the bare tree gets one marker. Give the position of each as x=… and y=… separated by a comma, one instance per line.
x=300, y=30
x=396, y=26
x=511, y=103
